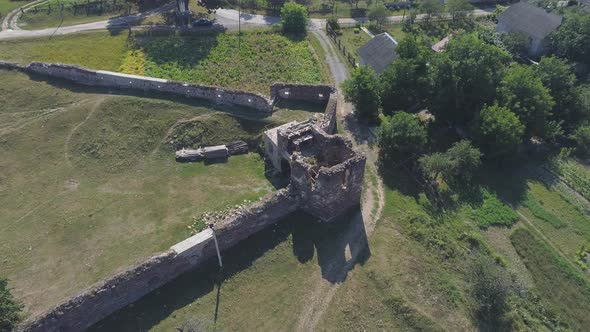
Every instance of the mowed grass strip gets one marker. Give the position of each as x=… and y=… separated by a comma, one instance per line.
x=565, y=288
x=251, y=62
x=96, y=50
x=89, y=184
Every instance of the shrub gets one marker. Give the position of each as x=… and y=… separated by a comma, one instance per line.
x=294, y=17
x=401, y=136
x=582, y=138
x=9, y=308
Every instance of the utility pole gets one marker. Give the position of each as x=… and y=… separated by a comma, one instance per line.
x=239, y=24
x=216, y=246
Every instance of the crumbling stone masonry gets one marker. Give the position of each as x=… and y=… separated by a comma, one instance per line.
x=326, y=177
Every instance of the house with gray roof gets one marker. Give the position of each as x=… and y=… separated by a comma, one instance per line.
x=378, y=52
x=534, y=22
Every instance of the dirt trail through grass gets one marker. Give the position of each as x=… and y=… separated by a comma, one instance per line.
x=95, y=106
x=371, y=206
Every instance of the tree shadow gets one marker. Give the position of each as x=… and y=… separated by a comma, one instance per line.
x=330, y=241
x=363, y=134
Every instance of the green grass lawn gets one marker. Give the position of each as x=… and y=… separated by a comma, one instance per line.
x=352, y=41
x=251, y=62
x=90, y=185
x=70, y=12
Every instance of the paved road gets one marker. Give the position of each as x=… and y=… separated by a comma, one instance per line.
x=226, y=18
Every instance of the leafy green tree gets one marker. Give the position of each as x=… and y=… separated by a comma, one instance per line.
x=466, y=158
x=499, y=131
x=523, y=93
x=466, y=76
x=436, y=164
x=9, y=308
x=407, y=80
x=582, y=138
x=378, y=14
x=401, y=136
x=572, y=39
x=556, y=75
x=516, y=43
x=458, y=9
x=431, y=8
x=362, y=90
x=294, y=17
x=403, y=84
x=582, y=102
x=458, y=162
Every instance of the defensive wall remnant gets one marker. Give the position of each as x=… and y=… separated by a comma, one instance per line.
x=326, y=177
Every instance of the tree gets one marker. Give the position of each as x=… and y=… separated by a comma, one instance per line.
x=499, y=131
x=523, y=93
x=458, y=9
x=431, y=8
x=211, y=5
x=9, y=308
x=466, y=76
x=294, y=18
x=516, y=43
x=461, y=160
x=436, y=164
x=582, y=138
x=572, y=39
x=557, y=76
x=378, y=14
x=408, y=24
x=401, y=136
x=403, y=84
x=466, y=158
x=362, y=90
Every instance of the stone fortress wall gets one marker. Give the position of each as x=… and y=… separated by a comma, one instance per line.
x=334, y=188
x=297, y=92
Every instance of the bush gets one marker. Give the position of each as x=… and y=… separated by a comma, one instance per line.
x=499, y=131
x=333, y=23
x=582, y=138
x=9, y=308
x=294, y=17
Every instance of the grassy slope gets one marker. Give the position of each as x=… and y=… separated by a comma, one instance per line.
x=262, y=58
x=88, y=187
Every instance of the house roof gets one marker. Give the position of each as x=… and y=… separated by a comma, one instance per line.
x=438, y=47
x=528, y=19
x=378, y=52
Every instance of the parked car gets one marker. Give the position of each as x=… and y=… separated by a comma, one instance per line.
x=202, y=22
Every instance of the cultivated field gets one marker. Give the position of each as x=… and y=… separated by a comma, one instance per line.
x=258, y=58
x=89, y=185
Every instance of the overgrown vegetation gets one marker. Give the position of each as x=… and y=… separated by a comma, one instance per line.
x=9, y=308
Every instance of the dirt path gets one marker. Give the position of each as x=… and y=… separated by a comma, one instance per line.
x=94, y=106
x=372, y=204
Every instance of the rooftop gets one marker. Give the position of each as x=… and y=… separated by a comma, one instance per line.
x=529, y=19
x=378, y=52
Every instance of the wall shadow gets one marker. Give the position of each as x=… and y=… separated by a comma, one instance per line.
x=329, y=241
x=339, y=245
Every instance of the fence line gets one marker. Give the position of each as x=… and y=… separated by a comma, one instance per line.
x=350, y=57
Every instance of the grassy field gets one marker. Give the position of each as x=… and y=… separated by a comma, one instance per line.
x=90, y=185
x=70, y=12
x=251, y=62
